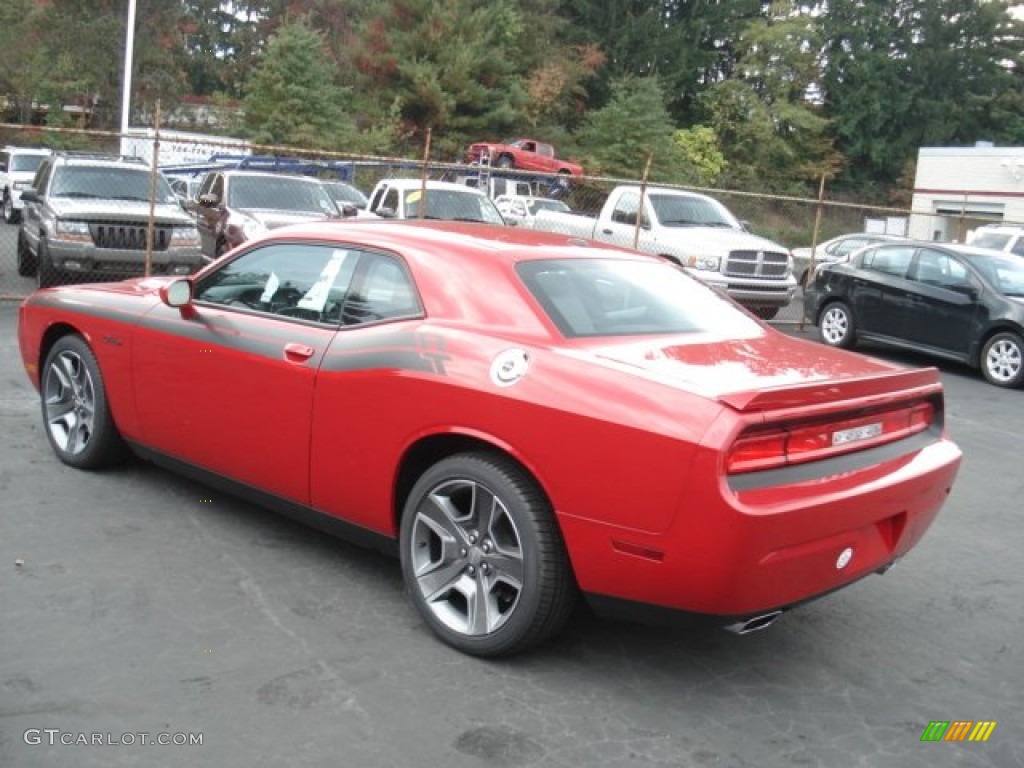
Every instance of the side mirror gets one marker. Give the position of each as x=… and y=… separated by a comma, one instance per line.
x=177, y=294
x=385, y=213
x=348, y=210
x=30, y=195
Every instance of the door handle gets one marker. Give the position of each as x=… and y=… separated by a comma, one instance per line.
x=607, y=232
x=296, y=351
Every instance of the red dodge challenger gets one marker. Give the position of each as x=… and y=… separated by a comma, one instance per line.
x=524, y=418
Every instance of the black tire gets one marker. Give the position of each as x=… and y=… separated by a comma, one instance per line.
x=1002, y=360
x=26, y=261
x=46, y=275
x=76, y=413
x=505, y=161
x=836, y=326
x=478, y=524
x=766, y=313
x=11, y=214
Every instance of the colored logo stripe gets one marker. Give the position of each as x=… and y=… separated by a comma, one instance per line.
x=958, y=730
x=982, y=730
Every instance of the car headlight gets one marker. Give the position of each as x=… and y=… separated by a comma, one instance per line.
x=184, y=237
x=702, y=261
x=73, y=231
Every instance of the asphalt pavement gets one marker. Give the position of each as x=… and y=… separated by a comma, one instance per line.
x=136, y=606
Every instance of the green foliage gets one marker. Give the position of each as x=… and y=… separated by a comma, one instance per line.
x=701, y=148
x=899, y=76
x=291, y=98
x=617, y=139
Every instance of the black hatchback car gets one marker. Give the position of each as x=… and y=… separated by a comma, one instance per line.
x=951, y=301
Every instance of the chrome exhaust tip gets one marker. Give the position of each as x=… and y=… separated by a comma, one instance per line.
x=753, y=624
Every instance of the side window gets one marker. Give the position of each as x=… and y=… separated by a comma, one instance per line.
x=383, y=291
x=207, y=185
x=42, y=177
x=626, y=209
x=893, y=260
x=1018, y=246
x=391, y=201
x=302, y=281
x=217, y=187
x=938, y=269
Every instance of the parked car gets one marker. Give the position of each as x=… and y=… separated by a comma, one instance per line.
x=522, y=154
x=234, y=206
x=695, y=231
x=88, y=216
x=519, y=418
x=521, y=211
x=999, y=237
x=951, y=301
x=403, y=198
x=836, y=249
x=18, y=166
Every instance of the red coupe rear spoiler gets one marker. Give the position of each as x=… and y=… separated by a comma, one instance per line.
x=873, y=388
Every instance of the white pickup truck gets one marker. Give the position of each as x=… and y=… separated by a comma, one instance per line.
x=695, y=231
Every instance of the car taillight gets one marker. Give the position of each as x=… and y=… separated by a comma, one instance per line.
x=785, y=445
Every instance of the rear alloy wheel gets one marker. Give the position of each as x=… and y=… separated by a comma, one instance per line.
x=26, y=261
x=483, y=558
x=505, y=162
x=76, y=413
x=1002, y=360
x=836, y=326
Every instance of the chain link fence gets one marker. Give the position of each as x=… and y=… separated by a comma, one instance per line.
x=91, y=213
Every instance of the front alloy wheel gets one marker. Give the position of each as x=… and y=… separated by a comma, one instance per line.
x=836, y=326
x=75, y=409
x=1002, y=360
x=482, y=557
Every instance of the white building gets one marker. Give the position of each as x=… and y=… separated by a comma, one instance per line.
x=959, y=188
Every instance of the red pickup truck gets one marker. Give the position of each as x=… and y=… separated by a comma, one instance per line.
x=522, y=154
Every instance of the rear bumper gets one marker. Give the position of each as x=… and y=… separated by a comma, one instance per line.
x=735, y=554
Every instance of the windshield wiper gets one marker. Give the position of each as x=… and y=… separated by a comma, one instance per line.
x=76, y=194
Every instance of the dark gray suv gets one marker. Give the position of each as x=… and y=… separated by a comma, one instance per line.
x=88, y=216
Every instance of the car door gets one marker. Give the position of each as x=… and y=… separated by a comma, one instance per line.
x=880, y=290
x=361, y=403
x=226, y=384
x=944, y=306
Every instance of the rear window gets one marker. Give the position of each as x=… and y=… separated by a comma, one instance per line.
x=613, y=297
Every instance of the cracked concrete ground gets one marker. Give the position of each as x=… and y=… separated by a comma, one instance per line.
x=150, y=604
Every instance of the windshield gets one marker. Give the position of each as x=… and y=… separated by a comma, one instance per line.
x=108, y=183
x=1005, y=273
x=346, y=193
x=452, y=205
x=992, y=240
x=26, y=163
x=691, y=211
x=279, y=193
x=611, y=297
x=545, y=204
